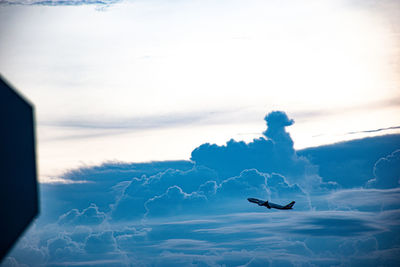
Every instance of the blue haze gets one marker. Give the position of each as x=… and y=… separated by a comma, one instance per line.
x=195, y=213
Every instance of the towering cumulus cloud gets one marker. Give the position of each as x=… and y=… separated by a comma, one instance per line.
x=272, y=153
x=196, y=213
x=276, y=122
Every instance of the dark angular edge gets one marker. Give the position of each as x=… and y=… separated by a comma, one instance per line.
x=19, y=201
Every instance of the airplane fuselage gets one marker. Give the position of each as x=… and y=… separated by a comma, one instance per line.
x=270, y=205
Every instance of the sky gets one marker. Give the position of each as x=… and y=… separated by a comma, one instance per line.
x=156, y=120
x=151, y=80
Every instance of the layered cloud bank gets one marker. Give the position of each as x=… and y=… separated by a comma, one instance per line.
x=196, y=212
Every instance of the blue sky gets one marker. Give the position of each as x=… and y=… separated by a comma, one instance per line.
x=156, y=120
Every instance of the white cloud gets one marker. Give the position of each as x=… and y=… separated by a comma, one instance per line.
x=59, y=2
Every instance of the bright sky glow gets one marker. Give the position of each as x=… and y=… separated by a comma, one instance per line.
x=151, y=80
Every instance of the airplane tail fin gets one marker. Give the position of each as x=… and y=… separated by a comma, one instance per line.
x=290, y=205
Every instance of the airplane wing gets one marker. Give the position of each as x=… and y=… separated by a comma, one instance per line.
x=287, y=207
x=276, y=206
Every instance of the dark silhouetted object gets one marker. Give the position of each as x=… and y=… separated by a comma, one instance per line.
x=270, y=205
x=18, y=186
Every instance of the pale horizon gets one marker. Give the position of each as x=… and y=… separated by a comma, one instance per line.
x=140, y=81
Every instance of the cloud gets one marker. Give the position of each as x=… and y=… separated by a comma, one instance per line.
x=175, y=202
x=248, y=183
x=272, y=153
x=88, y=127
x=186, y=244
x=351, y=163
x=364, y=199
x=113, y=172
x=375, y=130
x=139, y=190
x=335, y=224
x=379, y=104
x=61, y=2
x=276, y=122
x=105, y=184
x=174, y=190
x=90, y=215
x=28, y=254
x=387, y=172
x=80, y=233
x=283, y=192
x=306, y=237
x=62, y=248
x=279, y=186
x=197, y=213
x=189, y=180
x=10, y=262
x=310, y=224
x=209, y=188
x=101, y=243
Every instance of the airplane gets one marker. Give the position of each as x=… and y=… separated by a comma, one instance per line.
x=270, y=205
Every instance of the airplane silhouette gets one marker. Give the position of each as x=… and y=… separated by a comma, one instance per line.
x=270, y=205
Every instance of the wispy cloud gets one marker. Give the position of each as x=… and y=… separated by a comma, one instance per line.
x=312, y=114
x=375, y=130
x=90, y=127
x=147, y=121
x=60, y=2
x=363, y=131
x=134, y=123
